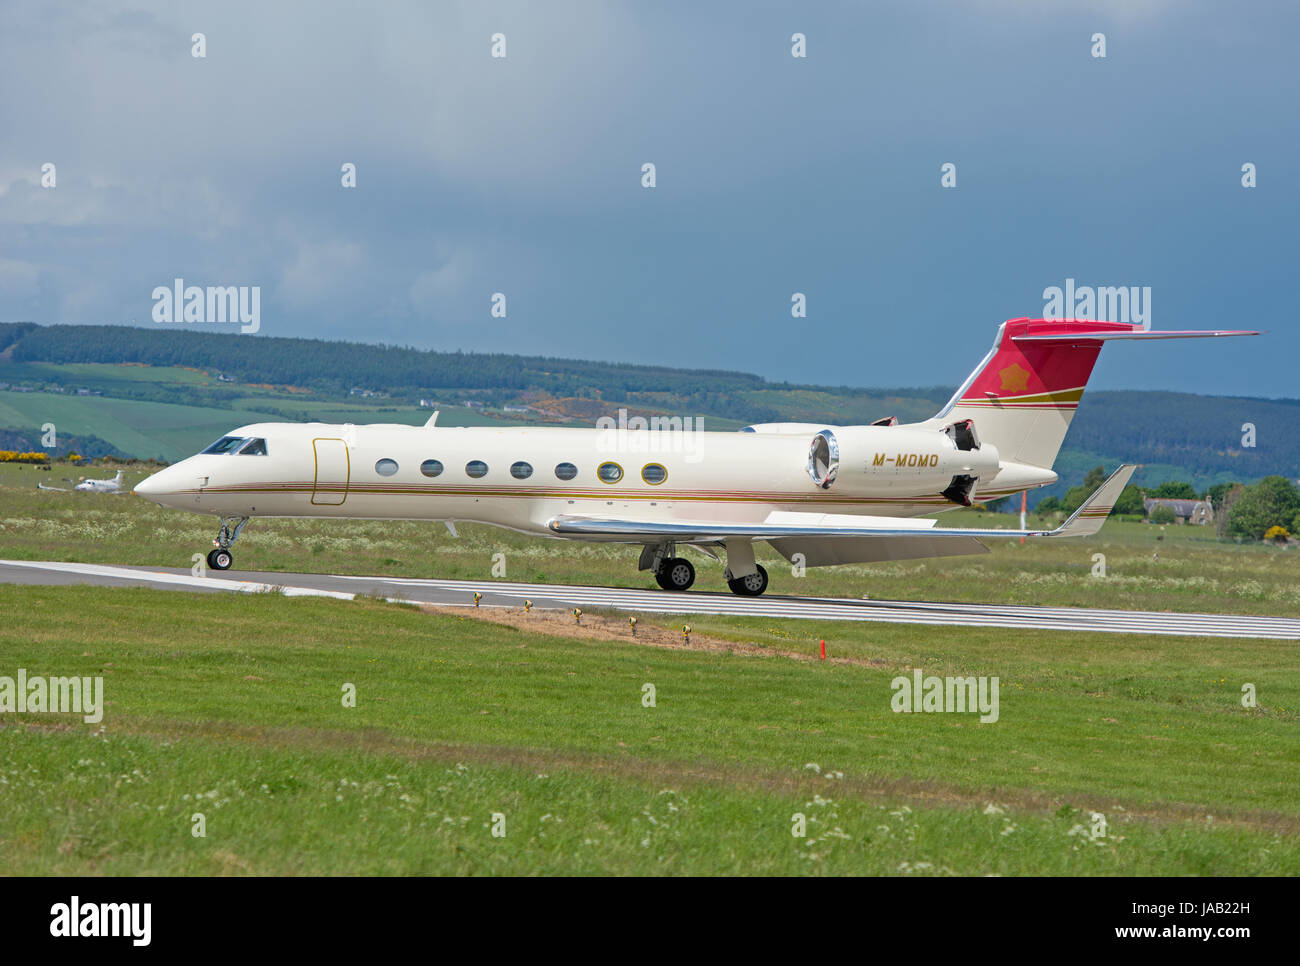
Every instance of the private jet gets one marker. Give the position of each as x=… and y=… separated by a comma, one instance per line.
x=101, y=486
x=819, y=494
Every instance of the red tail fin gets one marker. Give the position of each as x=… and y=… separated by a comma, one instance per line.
x=1038, y=375
x=1024, y=394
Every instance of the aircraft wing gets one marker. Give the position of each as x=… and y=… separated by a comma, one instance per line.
x=785, y=526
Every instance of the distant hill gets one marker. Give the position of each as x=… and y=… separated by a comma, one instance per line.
x=1187, y=436
x=1175, y=435
x=30, y=442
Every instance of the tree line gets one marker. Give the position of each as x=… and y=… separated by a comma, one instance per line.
x=1266, y=510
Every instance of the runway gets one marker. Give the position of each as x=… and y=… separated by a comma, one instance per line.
x=562, y=596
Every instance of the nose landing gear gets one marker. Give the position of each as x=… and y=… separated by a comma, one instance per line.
x=220, y=558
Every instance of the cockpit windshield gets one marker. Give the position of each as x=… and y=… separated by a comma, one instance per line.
x=226, y=444
x=243, y=445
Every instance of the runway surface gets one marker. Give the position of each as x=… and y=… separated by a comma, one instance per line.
x=561, y=596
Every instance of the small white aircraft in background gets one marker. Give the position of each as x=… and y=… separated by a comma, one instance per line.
x=818, y=494
x=101, y=486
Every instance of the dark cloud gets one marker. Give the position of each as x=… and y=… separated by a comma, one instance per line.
x=775, y=175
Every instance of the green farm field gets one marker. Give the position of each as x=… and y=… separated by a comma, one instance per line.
x=172, y=431
x=230, y=707
x=103, y=375
x=155, y=430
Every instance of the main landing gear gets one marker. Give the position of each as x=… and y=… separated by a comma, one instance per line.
x=220, y=557
x=677, y=573
x=751, y=586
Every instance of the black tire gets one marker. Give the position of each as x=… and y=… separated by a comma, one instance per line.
x=751, y=586
x=220, y=559
x=675, y=573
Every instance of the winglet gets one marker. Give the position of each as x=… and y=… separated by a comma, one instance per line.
x=1093, y=512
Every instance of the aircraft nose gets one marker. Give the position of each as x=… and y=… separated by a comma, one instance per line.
x=175, y=485
x=148, y=486
x=162, y=483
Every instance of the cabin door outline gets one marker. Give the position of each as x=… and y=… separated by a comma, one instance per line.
x=333, y=471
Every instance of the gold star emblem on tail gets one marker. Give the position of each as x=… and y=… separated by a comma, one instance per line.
x=1014, y=378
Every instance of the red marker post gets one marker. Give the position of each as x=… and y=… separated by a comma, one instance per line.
x=823, y=648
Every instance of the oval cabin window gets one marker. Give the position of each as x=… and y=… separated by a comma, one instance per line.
x=654, y=473
x=609, y=472
x=476, y=469
x=386, y=467
x=431, y=467
x=521, y=470
x=566, y=471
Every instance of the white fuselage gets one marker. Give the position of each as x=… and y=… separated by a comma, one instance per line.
x=346, y=471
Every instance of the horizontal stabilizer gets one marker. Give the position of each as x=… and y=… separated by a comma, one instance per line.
x=1136, y=334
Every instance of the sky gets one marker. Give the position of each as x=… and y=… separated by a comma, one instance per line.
x=774, y=175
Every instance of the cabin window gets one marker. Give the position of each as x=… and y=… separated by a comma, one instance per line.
x=566, y=471
x=254, y=447
x=521, y=470
x=476, y=469
x=431, y=467
x=226, y=444
x=654, y=473
x=609, y=472
x=386, y=467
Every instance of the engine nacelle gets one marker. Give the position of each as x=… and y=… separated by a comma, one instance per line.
x=869, y=460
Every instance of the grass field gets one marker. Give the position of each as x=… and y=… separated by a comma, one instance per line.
x=1151, y=568
x=230, y=707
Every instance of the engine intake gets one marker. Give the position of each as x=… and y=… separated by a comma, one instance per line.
x=824, y=459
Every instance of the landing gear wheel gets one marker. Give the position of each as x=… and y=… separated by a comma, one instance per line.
x=751, y=586
x=675, y=573
x=221, y=558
